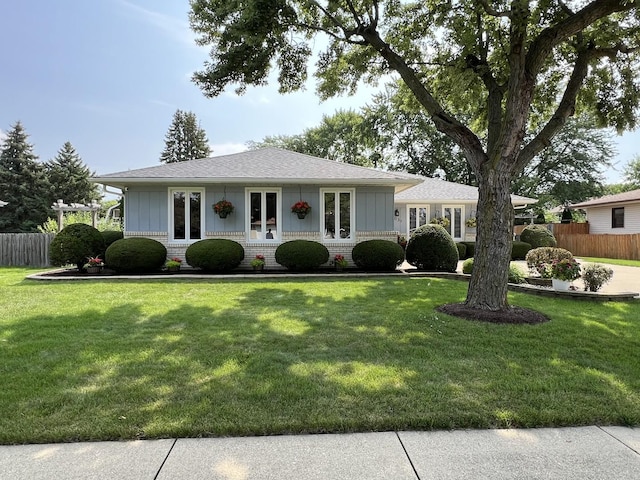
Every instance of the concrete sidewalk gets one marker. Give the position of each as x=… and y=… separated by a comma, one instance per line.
x=547, y=453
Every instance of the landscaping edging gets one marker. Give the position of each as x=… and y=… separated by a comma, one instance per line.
x=186, y=274
x=543, y=291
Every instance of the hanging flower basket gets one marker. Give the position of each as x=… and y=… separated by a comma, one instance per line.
x=301, y=209
x=223, y=208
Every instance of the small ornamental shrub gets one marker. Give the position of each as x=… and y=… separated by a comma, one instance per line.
x=301, y=255
x=135, y=255
x=467, y=266
x=74, y=244
x=462, y=250
x=538, y=236
x=519, y=250
x=540, y=259
x=432, y=248
x=595, y=276
x=516, y=274
x=471, y=249
x=215, y=254
x=378, y=255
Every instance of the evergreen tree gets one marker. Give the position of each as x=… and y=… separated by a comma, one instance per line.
x=23, y=184
x=185, y=140
x=69, y=177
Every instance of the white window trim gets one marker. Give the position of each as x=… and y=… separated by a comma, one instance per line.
x=462, y=221
x=187, y=219
x=352, y=210
x=247, y=214
x=416, y=205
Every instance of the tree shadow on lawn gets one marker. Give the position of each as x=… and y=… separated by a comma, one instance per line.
x=279, y=359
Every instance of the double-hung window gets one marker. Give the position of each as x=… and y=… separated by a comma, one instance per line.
x=264, y=218
x=338, y=214
x=617, y=217
x=186, y=214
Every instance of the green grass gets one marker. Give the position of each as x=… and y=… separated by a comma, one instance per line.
x=143, y=359
x=612, y=261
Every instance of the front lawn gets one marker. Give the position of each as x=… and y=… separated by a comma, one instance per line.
x=176, y=358
x=612, y=261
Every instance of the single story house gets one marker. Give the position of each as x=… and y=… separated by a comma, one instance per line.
x=614, y=214
x=435, y=198
x=174, y=203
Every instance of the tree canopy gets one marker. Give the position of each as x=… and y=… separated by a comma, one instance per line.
x=184, y=140
x=500, y=79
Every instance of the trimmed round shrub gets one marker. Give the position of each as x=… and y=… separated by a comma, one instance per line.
x=538, y=257
x=215, y=254
x=135, y=255
x=519, y=250
x=432, y=248
x=109, y=237
x=471, y=248
x=74, y=244
x=462, y=250
x=301, y=255
x=516, y=274
x=538, y=236
x=377, y=255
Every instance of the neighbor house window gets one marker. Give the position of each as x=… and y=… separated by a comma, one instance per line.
x=338, y=214
x=617, y=217
x=186, y=214
x=264, y=214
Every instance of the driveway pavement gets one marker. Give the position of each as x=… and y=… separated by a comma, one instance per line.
x=579, y=453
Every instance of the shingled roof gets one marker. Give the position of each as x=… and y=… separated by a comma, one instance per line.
x=632, y=196
x=268, y=165
x=437, y=190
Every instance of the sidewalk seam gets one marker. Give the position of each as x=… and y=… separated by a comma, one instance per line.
x=175, y=440
x=618, y=440
x=413, y=467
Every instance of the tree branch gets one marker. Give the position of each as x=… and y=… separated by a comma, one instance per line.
x=444, y=122
x=489, y=10
x=551, y=37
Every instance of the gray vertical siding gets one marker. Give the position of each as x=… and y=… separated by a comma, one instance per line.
x=374, y=209
x=147, y=208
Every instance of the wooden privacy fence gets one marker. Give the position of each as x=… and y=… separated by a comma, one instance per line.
x=601, y=245
x=25, y=249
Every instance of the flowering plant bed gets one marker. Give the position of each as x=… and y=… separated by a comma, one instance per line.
x=567, y=269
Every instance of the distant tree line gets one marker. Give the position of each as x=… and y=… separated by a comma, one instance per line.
x=30, y=187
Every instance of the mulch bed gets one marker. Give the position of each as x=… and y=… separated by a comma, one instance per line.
x=514, y=315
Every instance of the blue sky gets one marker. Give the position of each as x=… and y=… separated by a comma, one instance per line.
x=108, y=75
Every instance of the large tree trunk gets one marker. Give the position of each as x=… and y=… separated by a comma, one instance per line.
x=488, y=286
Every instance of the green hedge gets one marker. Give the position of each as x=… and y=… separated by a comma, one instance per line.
x=538, y=236
x=377, y=255
x=215, y=254
x=301, y=255
x=432, y=248
x=519, y=250
x=74, y=244
x=135, y=255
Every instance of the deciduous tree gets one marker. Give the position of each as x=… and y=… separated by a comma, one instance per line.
x=487, y=73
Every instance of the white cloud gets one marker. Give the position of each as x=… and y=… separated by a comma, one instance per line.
x=177, y=28
x=2, y=136
x=220, y=149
